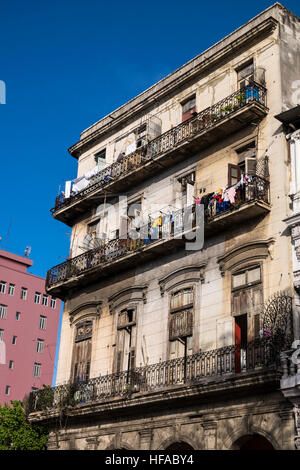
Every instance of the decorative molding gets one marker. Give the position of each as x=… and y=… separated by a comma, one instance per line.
x=245, y=254
x=88, y=310
x=187, y=274
x=130, y=294
x=294, y=224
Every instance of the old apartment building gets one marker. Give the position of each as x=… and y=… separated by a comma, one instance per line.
x=169, y=341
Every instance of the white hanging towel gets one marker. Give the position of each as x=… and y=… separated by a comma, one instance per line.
x=68, y=189
x=190, y=191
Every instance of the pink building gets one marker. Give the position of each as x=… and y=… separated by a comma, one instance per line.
x=29, y=321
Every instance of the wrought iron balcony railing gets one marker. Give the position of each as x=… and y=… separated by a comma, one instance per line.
x=174, y=227
x=185, y=371
x=206, y=119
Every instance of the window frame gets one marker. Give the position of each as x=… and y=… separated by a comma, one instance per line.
x=53, y=302
x=37, y=368
x=40, y=345
x=45, y=296
x=11, y=287
x=2, y=287
x=247, y=284
x=23, y=294
x=3, y=312
x=43, y=320
x=37, y=295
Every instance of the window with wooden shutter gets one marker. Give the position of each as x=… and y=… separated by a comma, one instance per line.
x=82, y=351
x=181, y=322
x=126, y=340
x=234, y=174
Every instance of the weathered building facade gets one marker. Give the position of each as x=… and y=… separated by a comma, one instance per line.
x=168, y=342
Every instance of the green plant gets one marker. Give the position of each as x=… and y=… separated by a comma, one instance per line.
x=241, y=98
x=16, y=433
x=228, y=107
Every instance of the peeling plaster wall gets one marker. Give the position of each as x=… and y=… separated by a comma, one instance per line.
x=290, y=60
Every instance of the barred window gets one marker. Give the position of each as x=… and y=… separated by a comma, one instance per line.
x=37, y=298
x=45, y=300
x=53, y=302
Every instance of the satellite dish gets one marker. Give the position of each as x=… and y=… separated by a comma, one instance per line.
x=90, y=242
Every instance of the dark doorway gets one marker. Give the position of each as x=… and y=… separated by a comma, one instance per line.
x=179, y=446
x=254, y=442
x=241, y=333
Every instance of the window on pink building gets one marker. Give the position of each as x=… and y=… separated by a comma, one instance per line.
x=18, y=316
x=37, y=298
x=7, y=390
x=43, y=321
x=11, y=289
x=45, y=300
x=53, y=302
x=11, y=365
x=14, y=340
x=2, y=287
x=1, y=334
x=23, y=293
x=3, y=311
x=39, y=345
x=36, y=370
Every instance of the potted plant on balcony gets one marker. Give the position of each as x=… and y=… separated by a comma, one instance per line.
x=241, y=99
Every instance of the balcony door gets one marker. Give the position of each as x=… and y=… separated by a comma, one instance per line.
x=246, y=300
x=126, y=340
x=82, y=350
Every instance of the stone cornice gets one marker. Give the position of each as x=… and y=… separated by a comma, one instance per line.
x=245, y=254
x=258, y=27
x=85, y=311
x=128, y=295
x=188, y=274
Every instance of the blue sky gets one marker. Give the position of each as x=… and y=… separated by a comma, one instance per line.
x=68, y=63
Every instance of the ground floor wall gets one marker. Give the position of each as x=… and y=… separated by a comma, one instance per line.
x=265, y=420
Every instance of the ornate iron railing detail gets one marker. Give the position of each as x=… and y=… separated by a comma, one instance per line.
x=201, y=122
x=183, y=220
x=185, y=371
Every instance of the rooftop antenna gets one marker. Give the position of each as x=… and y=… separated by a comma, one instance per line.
x=27, y=251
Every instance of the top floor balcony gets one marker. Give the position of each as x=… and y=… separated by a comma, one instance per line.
x=202, y=130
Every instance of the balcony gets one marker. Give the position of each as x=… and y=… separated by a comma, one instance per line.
x=115, y=255
x=205, y=128
x=222, y=371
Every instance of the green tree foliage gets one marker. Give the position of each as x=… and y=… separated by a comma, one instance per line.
x=16, y=433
